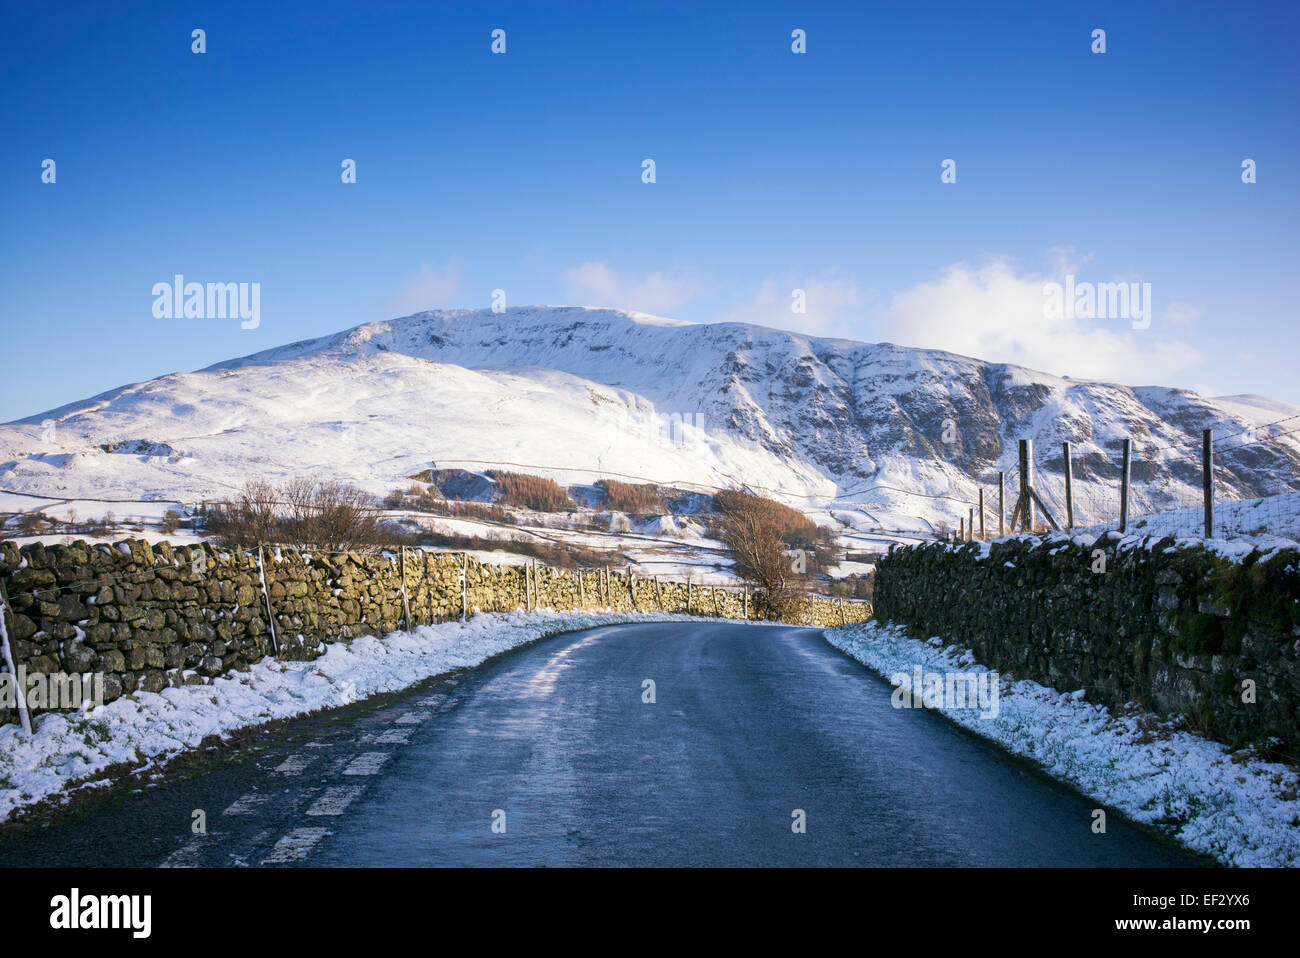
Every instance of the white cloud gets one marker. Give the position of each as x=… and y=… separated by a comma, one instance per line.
x=433, y=287
x=1182, y=315
x=595, y=284
x=994, y=313
x=831, y=303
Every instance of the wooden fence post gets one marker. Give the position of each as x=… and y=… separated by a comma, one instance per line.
x=582, y=595
x=1123, y=485
x=961, y=530
x=981, y=512
x=1026, y=483
x=1207, y=479
x=970, y=524
x=1069, y=486
x=1002, y=505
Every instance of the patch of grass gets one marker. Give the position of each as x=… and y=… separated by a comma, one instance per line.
x=96, y=731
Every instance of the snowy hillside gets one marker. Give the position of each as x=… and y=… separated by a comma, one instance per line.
x=851, y=429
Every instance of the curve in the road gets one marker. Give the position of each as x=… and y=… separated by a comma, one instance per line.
x=552, y=755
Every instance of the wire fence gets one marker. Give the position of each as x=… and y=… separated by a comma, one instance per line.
x=1221, y=510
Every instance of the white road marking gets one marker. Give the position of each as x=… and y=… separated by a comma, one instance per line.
x=295, y=846
x=412, y=718
x=184, y=857
x=337, y=766
x=367, y=763
x=293, y=765
x=395, y=736
x=246, y=804
x=433, y=701
x=336, y=800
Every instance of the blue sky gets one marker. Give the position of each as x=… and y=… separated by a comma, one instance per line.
x=775, y=172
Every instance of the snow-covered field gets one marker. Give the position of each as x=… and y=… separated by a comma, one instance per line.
x=146, y=729
x=1240, y=810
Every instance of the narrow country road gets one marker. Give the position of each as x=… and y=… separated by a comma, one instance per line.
x=554, y=742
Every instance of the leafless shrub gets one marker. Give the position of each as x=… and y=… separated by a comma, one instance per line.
x=329, y=514
x=32, y=523
x=326, y=514
x=342, y=517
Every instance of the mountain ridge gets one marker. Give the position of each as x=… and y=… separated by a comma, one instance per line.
x=574, y=388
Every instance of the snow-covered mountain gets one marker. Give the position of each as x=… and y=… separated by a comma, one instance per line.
x=878, y=431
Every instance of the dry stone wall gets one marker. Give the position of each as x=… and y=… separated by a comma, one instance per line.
x=148, y=616
x=1177, y=629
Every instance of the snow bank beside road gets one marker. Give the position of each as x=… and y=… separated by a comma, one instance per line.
x=1240, y=810
x=148, y=727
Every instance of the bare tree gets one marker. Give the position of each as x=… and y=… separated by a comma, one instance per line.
x=299, y=506
x=345, y=517
x=754, y=532
x=251, y=518
x=302, y=511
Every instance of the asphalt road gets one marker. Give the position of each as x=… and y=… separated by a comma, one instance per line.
x=549, y=756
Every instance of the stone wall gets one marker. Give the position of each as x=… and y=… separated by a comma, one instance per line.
x=149, y=616
x=1179, y=630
